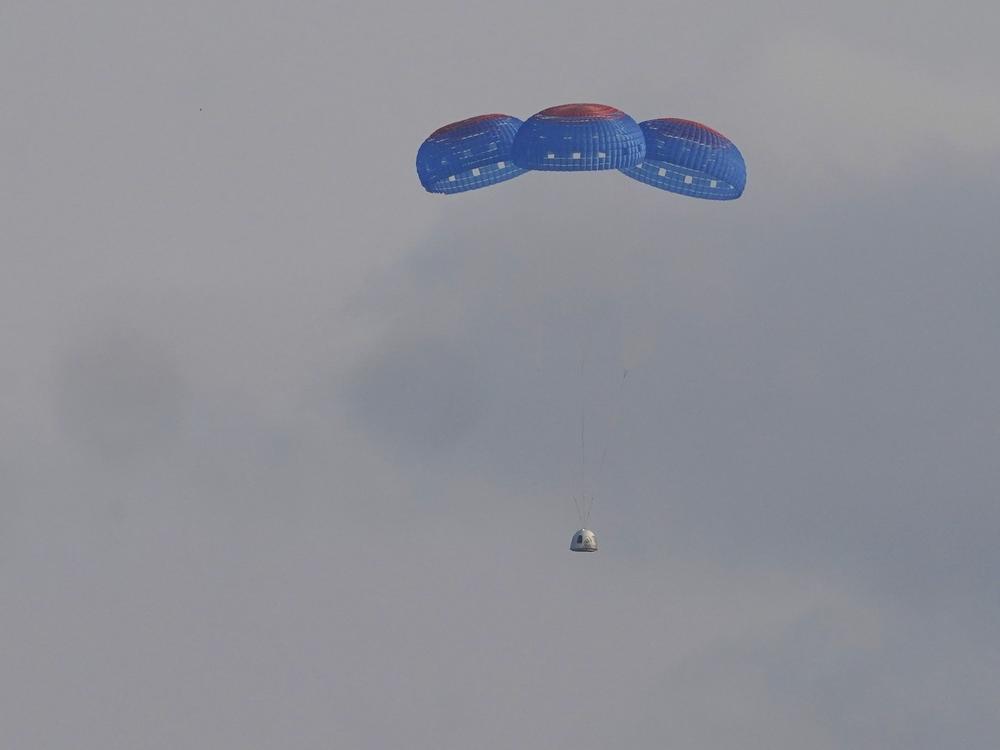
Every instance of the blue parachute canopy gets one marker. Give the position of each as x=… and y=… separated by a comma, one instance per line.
x=573, y=137
x=689, y=158
x=468, y=154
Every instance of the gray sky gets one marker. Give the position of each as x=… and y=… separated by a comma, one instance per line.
x=288, y=446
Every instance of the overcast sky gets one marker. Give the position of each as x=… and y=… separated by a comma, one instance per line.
x=288, y=446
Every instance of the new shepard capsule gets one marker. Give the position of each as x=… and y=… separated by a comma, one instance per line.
x=584, y=540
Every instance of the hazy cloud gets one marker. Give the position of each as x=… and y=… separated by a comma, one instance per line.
x=288, y=447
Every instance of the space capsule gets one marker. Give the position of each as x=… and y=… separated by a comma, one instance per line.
x=584, y=540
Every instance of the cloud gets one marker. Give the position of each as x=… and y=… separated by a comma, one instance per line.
x=820, y=113
x=121, y=396
x=289, y=447
x=424, y=393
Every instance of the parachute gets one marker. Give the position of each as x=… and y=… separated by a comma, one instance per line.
x=672, y=154
x=574, y=137
x=468, y=154
x=686, y=157
x=669, y=153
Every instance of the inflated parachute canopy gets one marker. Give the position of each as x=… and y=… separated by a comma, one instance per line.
x=573, y=137
x=468, y=154
x=689, y=158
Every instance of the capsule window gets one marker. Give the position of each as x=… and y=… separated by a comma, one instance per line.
x=579, y=538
